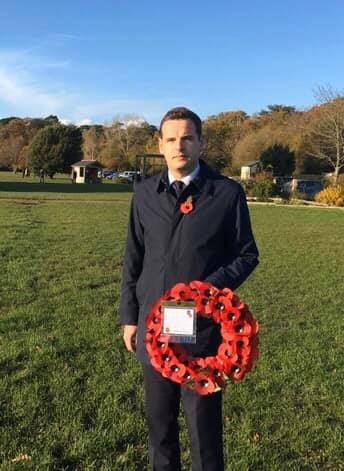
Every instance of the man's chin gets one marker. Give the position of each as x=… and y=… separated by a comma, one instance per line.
x=182, y=164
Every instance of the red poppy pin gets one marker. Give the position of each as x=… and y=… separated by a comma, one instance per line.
x=186, y=207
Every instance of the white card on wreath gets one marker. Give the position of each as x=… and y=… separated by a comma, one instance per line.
x=179, y=320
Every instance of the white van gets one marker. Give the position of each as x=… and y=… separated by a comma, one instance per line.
x=129, y=174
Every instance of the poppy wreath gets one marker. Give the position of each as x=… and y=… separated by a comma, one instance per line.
x=235, y=355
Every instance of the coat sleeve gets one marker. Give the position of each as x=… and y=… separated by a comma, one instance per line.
x=240, y=241
x=132, y=268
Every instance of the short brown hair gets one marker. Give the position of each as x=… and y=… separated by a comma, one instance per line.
x=180, y=112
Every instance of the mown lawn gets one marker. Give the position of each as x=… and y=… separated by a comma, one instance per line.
x=13, y=186
x=71, y=397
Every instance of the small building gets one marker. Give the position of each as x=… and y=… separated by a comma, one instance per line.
x=249, y=170
x=87, y=171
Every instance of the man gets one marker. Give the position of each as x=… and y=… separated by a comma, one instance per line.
x=213, y=243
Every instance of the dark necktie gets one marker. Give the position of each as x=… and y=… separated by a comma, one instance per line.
x=178, y=187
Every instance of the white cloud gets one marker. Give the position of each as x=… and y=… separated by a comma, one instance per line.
x=23, y=84
x=65, y=121
x=84, y=122
x=33, y=84
x=105, y=111
x=21, y=94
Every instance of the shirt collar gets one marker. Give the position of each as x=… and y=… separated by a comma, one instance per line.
x=188, y=178
x=204, y=173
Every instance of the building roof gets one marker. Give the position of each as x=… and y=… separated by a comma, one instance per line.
x=251, y=164
x=88, y=163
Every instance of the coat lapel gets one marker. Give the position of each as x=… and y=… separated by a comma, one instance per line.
x=200, y=189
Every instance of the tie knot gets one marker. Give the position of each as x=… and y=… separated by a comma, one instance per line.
x=178, y=187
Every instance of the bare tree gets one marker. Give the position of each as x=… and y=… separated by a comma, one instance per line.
x=326, y=129
x=125, y=138
x=93, y=141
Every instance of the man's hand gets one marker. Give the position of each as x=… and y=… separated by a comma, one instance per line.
x=129, y=337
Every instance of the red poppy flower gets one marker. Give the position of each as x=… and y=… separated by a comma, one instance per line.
x=230, y=315
x=236, y=373
x=181, y=292
x=186, y=207
x=204, y=288
x=154, y=328
x=243, y=328
x=204, y=305
x=228, y=293
x=236, y=302
x=176, y=371
x=226, y=356
x=248, y=317
x=204, y=385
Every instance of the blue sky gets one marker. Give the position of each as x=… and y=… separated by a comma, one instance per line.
x=92, y=61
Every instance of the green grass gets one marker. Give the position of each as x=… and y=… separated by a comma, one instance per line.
x=71, y=397
x=58, y=188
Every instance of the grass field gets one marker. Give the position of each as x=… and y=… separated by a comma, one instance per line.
x=71, y=397
x=59, y=188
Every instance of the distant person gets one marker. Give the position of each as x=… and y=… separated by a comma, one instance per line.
x=41, y=175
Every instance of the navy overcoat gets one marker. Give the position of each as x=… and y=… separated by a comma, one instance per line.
x=214, y=242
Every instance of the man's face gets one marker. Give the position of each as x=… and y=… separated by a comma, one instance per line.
x=180, y=145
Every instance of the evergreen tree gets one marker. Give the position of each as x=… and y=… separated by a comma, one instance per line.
x=55, y=148
x=279, y=158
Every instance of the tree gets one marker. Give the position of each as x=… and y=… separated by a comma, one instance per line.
x=23, y=159
x=250, y=147
x=13, y=137
x=55, y=148
x=220, y=135
x=326, y=129
x=278, y=126
x=93, y=141
x=275, y=110
x=152, y=144
x=279, y=158
x=125, y=139
x=5, y=121
x=52, y=119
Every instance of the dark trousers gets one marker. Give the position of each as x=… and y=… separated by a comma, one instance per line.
x=204, y=420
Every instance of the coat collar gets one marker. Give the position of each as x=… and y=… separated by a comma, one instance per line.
x=203, y=183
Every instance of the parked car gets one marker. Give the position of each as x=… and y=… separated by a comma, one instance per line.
x=107, y=172
x=130, y=175
x=306, y=187
x=112, y=175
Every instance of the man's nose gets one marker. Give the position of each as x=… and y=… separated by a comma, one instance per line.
x=179, y=144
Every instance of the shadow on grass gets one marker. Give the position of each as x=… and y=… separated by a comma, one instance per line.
x=52, y=187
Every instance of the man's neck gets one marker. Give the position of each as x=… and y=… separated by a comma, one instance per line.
x=180, y=174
